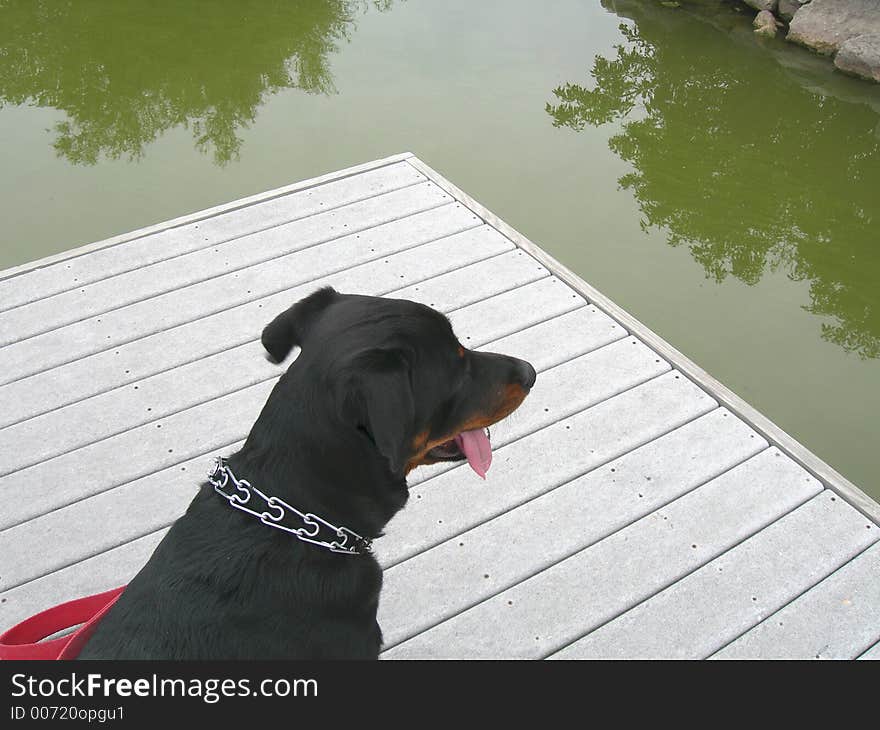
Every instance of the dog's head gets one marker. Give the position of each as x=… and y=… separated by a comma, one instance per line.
x=395, y=371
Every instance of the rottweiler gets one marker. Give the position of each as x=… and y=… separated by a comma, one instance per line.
x=272, y=558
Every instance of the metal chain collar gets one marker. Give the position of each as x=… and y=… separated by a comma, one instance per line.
x=350, y=543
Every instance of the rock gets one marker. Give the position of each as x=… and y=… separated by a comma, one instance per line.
x=765, y=24
x=860, y=56
x=762, y=4
x=824, y=25
x=787, y=8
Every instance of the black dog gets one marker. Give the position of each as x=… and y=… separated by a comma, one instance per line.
x=380, y=387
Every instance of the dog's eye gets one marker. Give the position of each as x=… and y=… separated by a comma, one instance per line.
x=460, y=351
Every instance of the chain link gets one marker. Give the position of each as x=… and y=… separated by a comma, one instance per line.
x=242, y=492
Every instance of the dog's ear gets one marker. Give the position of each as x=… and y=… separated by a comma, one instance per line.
x=291, y=327
x=379, y=398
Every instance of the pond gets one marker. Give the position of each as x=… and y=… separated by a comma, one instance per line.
x=724, y=190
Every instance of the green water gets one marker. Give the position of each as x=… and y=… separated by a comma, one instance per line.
x=725, y=191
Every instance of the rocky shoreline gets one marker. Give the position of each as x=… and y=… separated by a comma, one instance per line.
x=846, y=30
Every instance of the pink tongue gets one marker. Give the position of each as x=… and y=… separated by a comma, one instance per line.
x=476, y=447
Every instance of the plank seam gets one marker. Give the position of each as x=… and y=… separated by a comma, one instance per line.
x=124, y=542
x=258, y=299
x=682, y=577
x=534, y=324
x=568, y=359
x=514, y=287
x=589, y=545
x=769, y=616
x=537, y=430
x=865, y=652
x=170, y=414
x=598, y=349
x=256, y=262
x=83, y=559
x=234, y=344
x=568, y=415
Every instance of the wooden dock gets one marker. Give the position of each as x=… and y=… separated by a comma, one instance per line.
x=635, y=506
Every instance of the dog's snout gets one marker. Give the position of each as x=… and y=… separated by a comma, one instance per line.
x=503, y=370
x=524, y=373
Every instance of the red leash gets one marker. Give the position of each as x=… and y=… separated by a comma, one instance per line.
x=23, y=641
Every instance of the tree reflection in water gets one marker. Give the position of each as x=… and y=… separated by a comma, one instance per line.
x=124, y=72
x=742, y=164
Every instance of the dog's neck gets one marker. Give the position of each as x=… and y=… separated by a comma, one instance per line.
x=319, y=464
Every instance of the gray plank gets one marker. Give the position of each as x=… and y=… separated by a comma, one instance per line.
x=101, y=332
x=526, y=305
x=577, y=332
x=485, y=320
x=559, y=605
x=837, y=619
x=576, y=385
x=270, y=247
x=121, y=409
x=709, y=608
x=105, y=464
x=431, y=291
x=459, y=573
x=401, y=265
x=540, y=461
x=143, y=251
x=125, y=512
x=97, y=467
x=99, y=573
x=103, y=522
